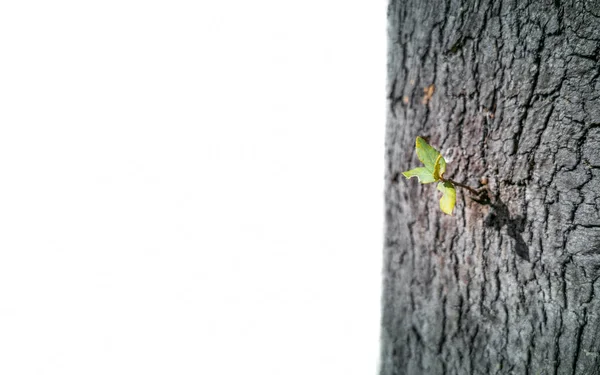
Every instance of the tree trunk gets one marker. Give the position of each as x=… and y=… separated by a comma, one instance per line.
x=511, y=286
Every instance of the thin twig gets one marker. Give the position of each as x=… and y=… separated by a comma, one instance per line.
x=473, y=191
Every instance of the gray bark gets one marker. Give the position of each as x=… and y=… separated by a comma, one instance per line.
x=509, y=287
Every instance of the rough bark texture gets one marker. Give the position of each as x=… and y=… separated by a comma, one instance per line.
x=511, y=287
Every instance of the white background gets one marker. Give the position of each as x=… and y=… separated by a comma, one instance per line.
x=191, y=187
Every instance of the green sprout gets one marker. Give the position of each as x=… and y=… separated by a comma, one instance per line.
x=433, y=171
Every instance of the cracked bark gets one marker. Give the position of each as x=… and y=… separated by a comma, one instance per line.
x=511, y=287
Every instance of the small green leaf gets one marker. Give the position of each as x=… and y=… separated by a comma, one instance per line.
x=427, y=154
x=448, y=198
x=423, y=174
x=439, y=168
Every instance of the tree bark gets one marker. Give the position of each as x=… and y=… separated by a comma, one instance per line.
x=512, y=286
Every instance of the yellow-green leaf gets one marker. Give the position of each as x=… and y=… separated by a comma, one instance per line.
x=448, y=198
x=439, y=168
x=427, y=154
x=423, y=174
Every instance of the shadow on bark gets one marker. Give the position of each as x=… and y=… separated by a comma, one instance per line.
x=499, y=217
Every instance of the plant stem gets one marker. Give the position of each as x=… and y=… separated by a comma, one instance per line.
x=473, y=191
